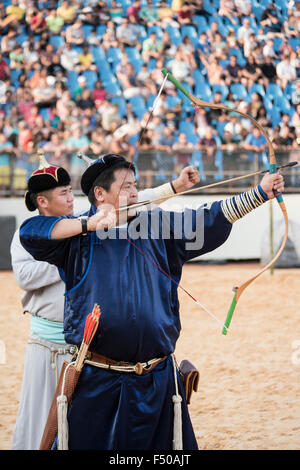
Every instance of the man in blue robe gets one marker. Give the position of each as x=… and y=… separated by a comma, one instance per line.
x=105, y=262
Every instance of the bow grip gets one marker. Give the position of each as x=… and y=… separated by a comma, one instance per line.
x=229, y=315
x=278, y=195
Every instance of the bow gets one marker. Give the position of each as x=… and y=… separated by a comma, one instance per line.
x=273, y=168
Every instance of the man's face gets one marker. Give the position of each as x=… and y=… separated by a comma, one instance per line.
x=122, y=191
x=57, y=202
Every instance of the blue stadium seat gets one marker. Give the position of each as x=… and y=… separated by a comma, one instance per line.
x=201, y=23
x=87, y=30
x=273, y=90
x=57, y=41
x=114, y=55
x=112, y=88
x=138, y=105
x=174, y=34
x=223, y=30
x=282, y=103
x=275, y=116
x=256, y=88
x=91, y=78
x=121, y=102
x=133, y=53
x=223, y=89
x=98, y=53
x=187, y=127
x=155, y=29
x=203, y=91
x=239, y=91
x=191, y=32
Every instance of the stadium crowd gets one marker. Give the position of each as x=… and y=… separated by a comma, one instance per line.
x=82, y=76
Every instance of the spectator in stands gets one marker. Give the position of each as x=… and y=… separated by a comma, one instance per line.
x=200, y=9
x=69, y=57
x=146, y=161
x=115, y=12
x=4, y=69
x=16, y=57
x=44, y=95
x=244, y=32
x=9, y=43
x=75, y=143
x=85, y=102
x=296, y=94
x=128, y=34
x=109, y=38
x=285, y=141
x=233, y=71
x=109, y=113
x=88, y=16
x=185, y=14
x=181, y=69
x=120, y=144
x=15, y=10
x=6, y=148
x=86, y=61
x=212, y=31
x=268, y=70
x=75, y=34
x=99, y=93
x=31, y=56
x=46, y=55
x=203, y=46
x=188, y=52
x=148, y=14
x=169, y=48
x=227, y=8
x=219, y=48
x=133, y=12
x=296, y=118
x=250, y=45
x=183, y=152
x=255, y=142
x=54, y=22
x=152, y=48
x=272, y=24
x=286, y=72
x=98, y=144
x=268, y=49
x=38, y=23
x=243, y=8
x=251, y=73
x=67, y=12
x=57, y=152
x=166, y=15
x=77, y=91
x=215, y=72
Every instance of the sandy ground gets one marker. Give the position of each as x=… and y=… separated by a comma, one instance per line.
x=249, y=394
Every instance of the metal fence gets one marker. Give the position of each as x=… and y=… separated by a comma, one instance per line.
x=157, y=167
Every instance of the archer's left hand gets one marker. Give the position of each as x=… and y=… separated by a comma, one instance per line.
x=270, y=182
x=188, y=177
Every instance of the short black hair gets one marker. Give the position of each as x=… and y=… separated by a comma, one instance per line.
x=107, y=177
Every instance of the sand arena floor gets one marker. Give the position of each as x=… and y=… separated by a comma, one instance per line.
x=249, y=394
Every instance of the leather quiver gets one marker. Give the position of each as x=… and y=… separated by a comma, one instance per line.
x=71, y=379
x=190, y=377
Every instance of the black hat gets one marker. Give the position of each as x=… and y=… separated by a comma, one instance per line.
x=44, y=178
x=98, y=166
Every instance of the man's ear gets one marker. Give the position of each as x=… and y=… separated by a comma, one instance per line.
x=42, y=201
x=99, y=193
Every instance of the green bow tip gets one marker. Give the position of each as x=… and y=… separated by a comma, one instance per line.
x=229, y=315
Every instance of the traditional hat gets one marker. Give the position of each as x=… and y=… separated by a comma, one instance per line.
x=44, y=178
x=98, y=166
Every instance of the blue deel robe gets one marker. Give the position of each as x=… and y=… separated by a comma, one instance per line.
x=139, y=320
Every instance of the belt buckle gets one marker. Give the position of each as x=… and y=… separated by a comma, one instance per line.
x=138, y=368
